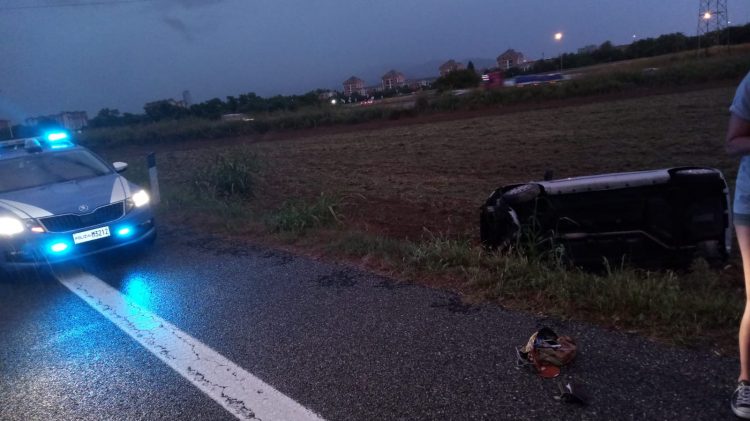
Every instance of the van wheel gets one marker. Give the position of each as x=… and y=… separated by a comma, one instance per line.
x=522, y=194
x=693, y=174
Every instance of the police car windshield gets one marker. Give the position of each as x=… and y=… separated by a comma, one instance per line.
x=38, y=169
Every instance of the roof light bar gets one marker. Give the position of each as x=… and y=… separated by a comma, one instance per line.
x=55, y=136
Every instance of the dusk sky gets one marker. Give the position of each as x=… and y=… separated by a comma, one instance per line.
x=128, y=52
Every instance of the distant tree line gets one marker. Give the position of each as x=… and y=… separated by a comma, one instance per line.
x=212, y=109
x=647, y=47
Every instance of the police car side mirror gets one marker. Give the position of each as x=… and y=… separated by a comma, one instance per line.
x=120, y=166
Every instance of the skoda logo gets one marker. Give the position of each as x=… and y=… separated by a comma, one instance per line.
x=83, y=208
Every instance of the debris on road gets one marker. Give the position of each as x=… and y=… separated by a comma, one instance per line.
x=546, y=352
x=572, y=393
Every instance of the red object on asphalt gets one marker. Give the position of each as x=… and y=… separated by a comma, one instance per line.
x=548, y=370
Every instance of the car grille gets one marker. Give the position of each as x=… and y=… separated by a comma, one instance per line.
x=70, y=222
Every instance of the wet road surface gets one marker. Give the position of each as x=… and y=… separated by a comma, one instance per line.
x=340, y=343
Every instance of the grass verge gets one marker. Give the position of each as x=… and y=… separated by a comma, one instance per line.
x=227, y=176
x=686, y=307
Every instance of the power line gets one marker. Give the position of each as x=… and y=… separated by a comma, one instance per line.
x=78, y=4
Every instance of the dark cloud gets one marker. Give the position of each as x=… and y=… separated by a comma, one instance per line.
x=188, y=4
x=180, y=26
x=186, y=8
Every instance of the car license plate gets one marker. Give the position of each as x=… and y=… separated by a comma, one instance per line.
x=94, y=234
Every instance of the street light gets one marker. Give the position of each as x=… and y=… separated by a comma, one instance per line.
x=706, y=17
x=558, y=38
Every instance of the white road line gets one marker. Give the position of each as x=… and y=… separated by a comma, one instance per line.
x=241, y=393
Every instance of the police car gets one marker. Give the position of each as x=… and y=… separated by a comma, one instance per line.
x=60, y=201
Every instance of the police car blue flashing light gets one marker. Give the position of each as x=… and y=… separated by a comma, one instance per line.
x=55, y=136
x=62, y=145
x=124, y=231
x=59, y=247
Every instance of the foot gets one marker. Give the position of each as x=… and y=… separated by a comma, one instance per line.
x=741, y=400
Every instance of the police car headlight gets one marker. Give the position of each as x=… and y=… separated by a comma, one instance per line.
x=10, y=226
x=140, y=198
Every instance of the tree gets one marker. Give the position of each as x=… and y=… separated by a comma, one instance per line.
x=232, y=104
x=458, y=79
x=130, y=119
x=470, y=66
x=607, y=52
x=312, y=98
x=212, y=109
x=164, y=110
x=106, y=117
x=251, y=103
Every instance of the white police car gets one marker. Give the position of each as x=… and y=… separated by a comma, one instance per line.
x=60, y=201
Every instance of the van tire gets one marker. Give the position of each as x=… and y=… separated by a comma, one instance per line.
x=695, y=174
x=522, y=194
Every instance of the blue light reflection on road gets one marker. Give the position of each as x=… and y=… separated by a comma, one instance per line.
x=137, y=290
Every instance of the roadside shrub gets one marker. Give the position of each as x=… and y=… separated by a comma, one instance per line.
x=422, y=103
x=439, y=253
x=298, y=216
x=446, y=102
x=228, y=176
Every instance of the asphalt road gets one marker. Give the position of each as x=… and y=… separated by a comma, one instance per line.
x=345, y=344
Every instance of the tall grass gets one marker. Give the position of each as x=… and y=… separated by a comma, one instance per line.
x=298, y=216
x=227, y=176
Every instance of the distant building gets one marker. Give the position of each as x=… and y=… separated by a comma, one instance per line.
x=374, y=89
x=512, y=59
x=450, y=66
x=393, y=80
x=187, y=99
x=325, y=95
x=71, y=120
x=354, y=85
x=416, y=84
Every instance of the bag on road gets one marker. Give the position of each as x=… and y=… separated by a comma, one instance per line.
x=547, y=352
